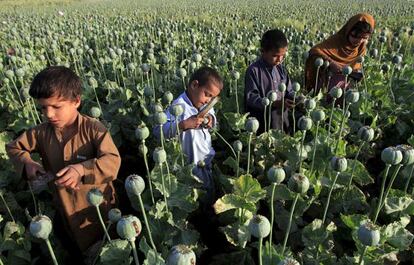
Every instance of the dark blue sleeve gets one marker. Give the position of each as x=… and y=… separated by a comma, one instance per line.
x=253, y=99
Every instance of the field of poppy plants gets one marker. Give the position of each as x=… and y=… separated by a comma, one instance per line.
x=338, y=189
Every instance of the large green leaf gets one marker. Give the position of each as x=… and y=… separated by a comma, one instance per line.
x=316, y=232
x=397, y=235
x=236, y=120
x=249, y=188
x=237, y=235
x=360, y=175
x=353, y=221
x=116, y=253
x=397, y=204
x=232, y=201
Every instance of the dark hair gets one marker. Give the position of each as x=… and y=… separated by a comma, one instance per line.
x=206, y=74
x=361, y=27
x=273, y=40
x=56, y=81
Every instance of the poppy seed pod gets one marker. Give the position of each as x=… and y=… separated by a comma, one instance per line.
x=94, y=197
x=142, y=132
x=41, y=227
x=281, y=87
x=145, y=68
x=182, y=72
x=160, y=118
x=296, y=87
x=235, y=75
x=237, y=146
x=177, y=110
x=318, y=62
x=318, y=115
x=252, y=125
x=310, y=104
x=305, y=123
x=369, y=234
x=159, y=155
x=298, y=183
x=95, y=112
x=339, y=164
x=397, y=59
x=181, y=255
x=336, y=92
x=265, y=102
x=276, y=174
x=391, y=156
x=168, y=97
x=352, y=96
x=272, y=96
x=134, y=184
x=114, y=215
x=407, y=154
x=347, y=70
x=92, y=82
x=259, y=226
x=129, y=227
x=366, y=134
x=143, y=149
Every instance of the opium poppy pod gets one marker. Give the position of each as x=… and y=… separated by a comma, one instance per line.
x=366, y=134
x=159, y=155
x=252, y=125
x=95, y=112
x=318, y=62
x=237, y=146
x=282, y=87
x=336, y=92
x=142, y=132
x=114, y=215
x=160, y=118
x=276, y=174
x=407, y=154
x=369, y=234
x=318, y=115
x=259, y=226
x=129, y=227
x=347, y=70
x=94, y=197
x=352, y=96
x=304, y=123
x=181, y=255
x=40, y=227
x=177, y=110
x=298, y=183
x=272, y=96
x=339, y=164
x=310, y=104
x=391, y=156
x=134, y=184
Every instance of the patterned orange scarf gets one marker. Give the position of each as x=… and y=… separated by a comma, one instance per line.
x=338, y=49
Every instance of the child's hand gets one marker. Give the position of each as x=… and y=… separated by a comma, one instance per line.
x=288, y=104
x=191, y=123
x=33, y=169
x=209, y=124
x=70, y=176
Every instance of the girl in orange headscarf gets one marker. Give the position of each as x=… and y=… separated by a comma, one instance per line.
x=344, y=48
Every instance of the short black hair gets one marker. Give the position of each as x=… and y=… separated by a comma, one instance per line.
x=273, y=40
x=206, y=74
x=361, y=27
x=56, y=81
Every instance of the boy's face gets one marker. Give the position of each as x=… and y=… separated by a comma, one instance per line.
x=201, y=95
x=60, y=112
x=274, y=56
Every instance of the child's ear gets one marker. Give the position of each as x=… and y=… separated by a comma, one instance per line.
x=194, y=85
x=77, y=101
